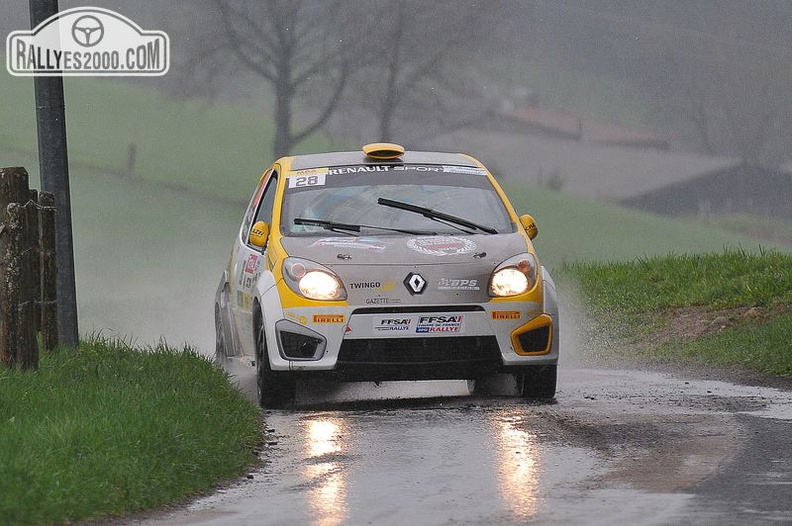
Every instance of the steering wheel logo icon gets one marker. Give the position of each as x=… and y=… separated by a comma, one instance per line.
x=88, y=31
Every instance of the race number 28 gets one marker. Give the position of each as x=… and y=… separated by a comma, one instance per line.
x=304, y=181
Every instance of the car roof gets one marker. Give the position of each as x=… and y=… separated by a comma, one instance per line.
x=318, y=160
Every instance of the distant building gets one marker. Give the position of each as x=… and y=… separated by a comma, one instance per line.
x=609, y=173
x=575, y=126
x=543, y=148
x=742, y=188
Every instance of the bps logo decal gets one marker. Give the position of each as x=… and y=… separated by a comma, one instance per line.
x=87, y=41
x=328, y=318
x=458, y=284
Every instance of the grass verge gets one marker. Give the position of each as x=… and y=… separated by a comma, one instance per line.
x=106, y=430
x=727, y=309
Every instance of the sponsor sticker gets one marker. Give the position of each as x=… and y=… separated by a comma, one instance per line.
x=464, y=170
x=458, y=284
x=393, y=324
x=87, y=41
x=302, y=320
x=309, y=171
x=382, y=286
x=439, y=323
x=329, y=318
x=441, y=245
x=357, y=169
x=382, y=301
x=354, y=243
x=252, y=264
x=305, y=181
x=506, y=315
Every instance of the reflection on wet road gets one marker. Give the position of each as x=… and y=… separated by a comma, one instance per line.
x=618, y=447
x=403, y=465
x=519, y=461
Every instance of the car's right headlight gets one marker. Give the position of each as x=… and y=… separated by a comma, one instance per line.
x=516, y=275
x=312, y=280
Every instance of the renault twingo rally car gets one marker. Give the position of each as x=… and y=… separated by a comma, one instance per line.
x=386, y=264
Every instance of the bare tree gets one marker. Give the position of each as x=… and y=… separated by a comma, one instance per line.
x=737, y=100
x=292, y=45
x=417, y=64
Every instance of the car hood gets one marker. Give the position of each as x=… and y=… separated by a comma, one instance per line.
x=378, y=270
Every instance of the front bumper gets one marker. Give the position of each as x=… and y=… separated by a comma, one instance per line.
x=413, y=342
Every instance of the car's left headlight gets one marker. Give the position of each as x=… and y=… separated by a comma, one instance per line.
x=516, y=275
x=312, y=280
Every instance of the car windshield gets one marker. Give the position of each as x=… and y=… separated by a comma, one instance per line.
x=349, y=195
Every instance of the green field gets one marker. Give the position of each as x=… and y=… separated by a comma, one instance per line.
x=576, y=229
x=109, y=430
x=731, y=309
x=216, y=149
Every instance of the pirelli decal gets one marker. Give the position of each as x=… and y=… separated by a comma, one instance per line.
x=506, y=315
x=329, y=318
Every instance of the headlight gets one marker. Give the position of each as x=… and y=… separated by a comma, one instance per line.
x=312, y=280
x=514, y=276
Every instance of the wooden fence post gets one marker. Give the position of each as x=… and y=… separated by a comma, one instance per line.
x=18, y=248
x=49, y=271
x=8, y=297
x=20, y=266
x=34, y=259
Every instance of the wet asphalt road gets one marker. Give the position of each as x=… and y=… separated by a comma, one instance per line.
x=618, y=447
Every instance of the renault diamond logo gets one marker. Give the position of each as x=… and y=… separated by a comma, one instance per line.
x=415, y=283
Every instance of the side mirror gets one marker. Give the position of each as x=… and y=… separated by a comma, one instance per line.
x=529, y=224
x=259, y=235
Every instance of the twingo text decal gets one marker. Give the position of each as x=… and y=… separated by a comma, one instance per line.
x=381, y=286
x=441, y=245
x=87, y=41
x=439, y=323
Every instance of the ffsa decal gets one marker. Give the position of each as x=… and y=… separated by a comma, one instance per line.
x=448, y=323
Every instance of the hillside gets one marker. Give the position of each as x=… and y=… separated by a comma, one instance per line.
x=577, y=229
x=150, y=248
x=217, y=149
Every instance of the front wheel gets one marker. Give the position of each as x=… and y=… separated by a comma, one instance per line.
x=537, y=382
x=276, y=389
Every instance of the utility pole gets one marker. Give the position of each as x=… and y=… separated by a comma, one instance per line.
x=54, y=169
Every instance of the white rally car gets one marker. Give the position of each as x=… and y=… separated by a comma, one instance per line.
x=386, y=264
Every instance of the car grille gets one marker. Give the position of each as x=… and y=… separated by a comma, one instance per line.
x=420, y=358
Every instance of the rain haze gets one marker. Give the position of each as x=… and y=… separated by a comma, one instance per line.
x=627, y=129
x=674, y=108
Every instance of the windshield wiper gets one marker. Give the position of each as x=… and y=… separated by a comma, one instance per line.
x=436, y=215
x=348, y=227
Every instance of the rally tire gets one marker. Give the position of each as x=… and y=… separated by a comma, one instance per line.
x=537, y=382
x=276, y=389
